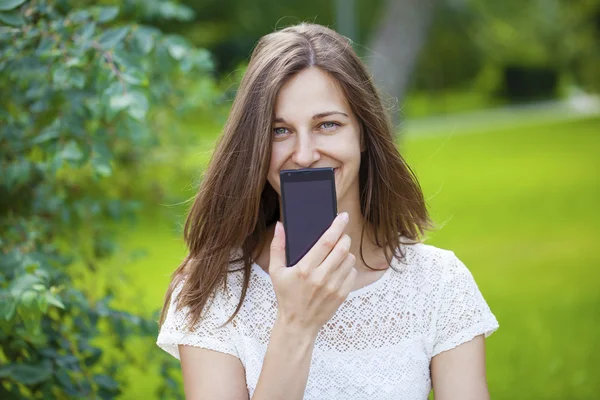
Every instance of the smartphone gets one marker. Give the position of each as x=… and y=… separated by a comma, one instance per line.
x=309, y=207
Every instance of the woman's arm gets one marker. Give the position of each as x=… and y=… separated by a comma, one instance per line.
x=211, y=375
x=287, y=363
x=459, y=373
x=308, y=295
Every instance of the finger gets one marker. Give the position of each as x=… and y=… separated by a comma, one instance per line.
x=349, y=281
x=277, y=252
x=326, y=242
x=335, y=258
x=339, y=274
x=332, y=262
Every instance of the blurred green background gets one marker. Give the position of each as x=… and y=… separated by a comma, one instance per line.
x=500, y=119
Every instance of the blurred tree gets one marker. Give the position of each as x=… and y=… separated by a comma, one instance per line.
x=230, y=28
x=449, y=59
x=345, y=17
x=396, y=42
x=533, y=43
x=82, y=85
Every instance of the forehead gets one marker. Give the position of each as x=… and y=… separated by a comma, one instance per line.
x=309, y=92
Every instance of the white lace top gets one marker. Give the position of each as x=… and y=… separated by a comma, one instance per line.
x=379, y=343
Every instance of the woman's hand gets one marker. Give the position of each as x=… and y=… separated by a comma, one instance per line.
x=310, y=292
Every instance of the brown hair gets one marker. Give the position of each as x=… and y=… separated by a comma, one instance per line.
x=235, y=203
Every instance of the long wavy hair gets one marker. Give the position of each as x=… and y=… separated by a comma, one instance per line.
x=235, y=203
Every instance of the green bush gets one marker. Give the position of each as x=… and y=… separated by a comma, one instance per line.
x=540, y=42
x=82, y=89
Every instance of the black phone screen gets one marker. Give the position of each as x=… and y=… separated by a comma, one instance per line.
x=309, y=208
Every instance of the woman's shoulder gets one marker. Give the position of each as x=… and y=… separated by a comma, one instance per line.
x=232, y=283
x=439, y=274
x=430, y=262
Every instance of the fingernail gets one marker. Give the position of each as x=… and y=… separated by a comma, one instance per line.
x=278, y=228
x=344, y=216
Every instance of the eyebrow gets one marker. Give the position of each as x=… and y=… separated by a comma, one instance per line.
x=316, y=116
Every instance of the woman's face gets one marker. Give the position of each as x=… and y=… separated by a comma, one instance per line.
x=304, y=137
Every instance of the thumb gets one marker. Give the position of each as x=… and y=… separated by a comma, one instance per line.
x=277, y=257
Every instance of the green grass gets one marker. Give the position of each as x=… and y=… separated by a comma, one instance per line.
x=423, y=103
x=518, y=206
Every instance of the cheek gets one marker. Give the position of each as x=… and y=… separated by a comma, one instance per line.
x=346, y=145
x=276, y=163
x=274, y=167
x=347, y=153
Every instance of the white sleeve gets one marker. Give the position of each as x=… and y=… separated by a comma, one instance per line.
x=462, y=311
x=206, y=333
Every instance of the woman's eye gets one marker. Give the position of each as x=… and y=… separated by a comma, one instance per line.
x=328, y=126
x=278, y=131
x=331, y=127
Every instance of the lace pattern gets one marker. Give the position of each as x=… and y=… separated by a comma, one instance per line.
x=378, y=345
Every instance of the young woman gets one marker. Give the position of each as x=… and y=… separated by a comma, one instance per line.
x=371, y=312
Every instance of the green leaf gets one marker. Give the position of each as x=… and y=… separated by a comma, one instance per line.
x=136, y=104
x=164, y=61
x=135, y=77
x=139, y=108
x=77, y=79
x=94, y=105
x=46, y=44
x=102, y=169
x=197, y=58
x=79, y=16
x=47, y=135
x=52, y=131
x=120, y=101
x=10, y=260
x=28, y=298
x=65, y=78
x=7, y=32
x=178, y=47
x=63, y=377
x=8, y=309
x=10, y=4
x=23, y=283
x=5, y=371
x=112, y=37
x=93, y=358
x=60, y=76
x=13, y=18
x=31, y=374
x=74, y=62
x=53, y=300
x=101, y=160
x=145, y=38
x=64, y=361
x=126, y=59
x=71, y=152
x=17, y=173
x=86, y=32
x=106, y=382
x=42, y=303
x=108, y=13
x=171, y=10
x=115, y=89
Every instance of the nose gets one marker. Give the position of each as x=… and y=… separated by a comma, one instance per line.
x=305, y=152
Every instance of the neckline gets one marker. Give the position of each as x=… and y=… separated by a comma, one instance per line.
x=356, y=292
